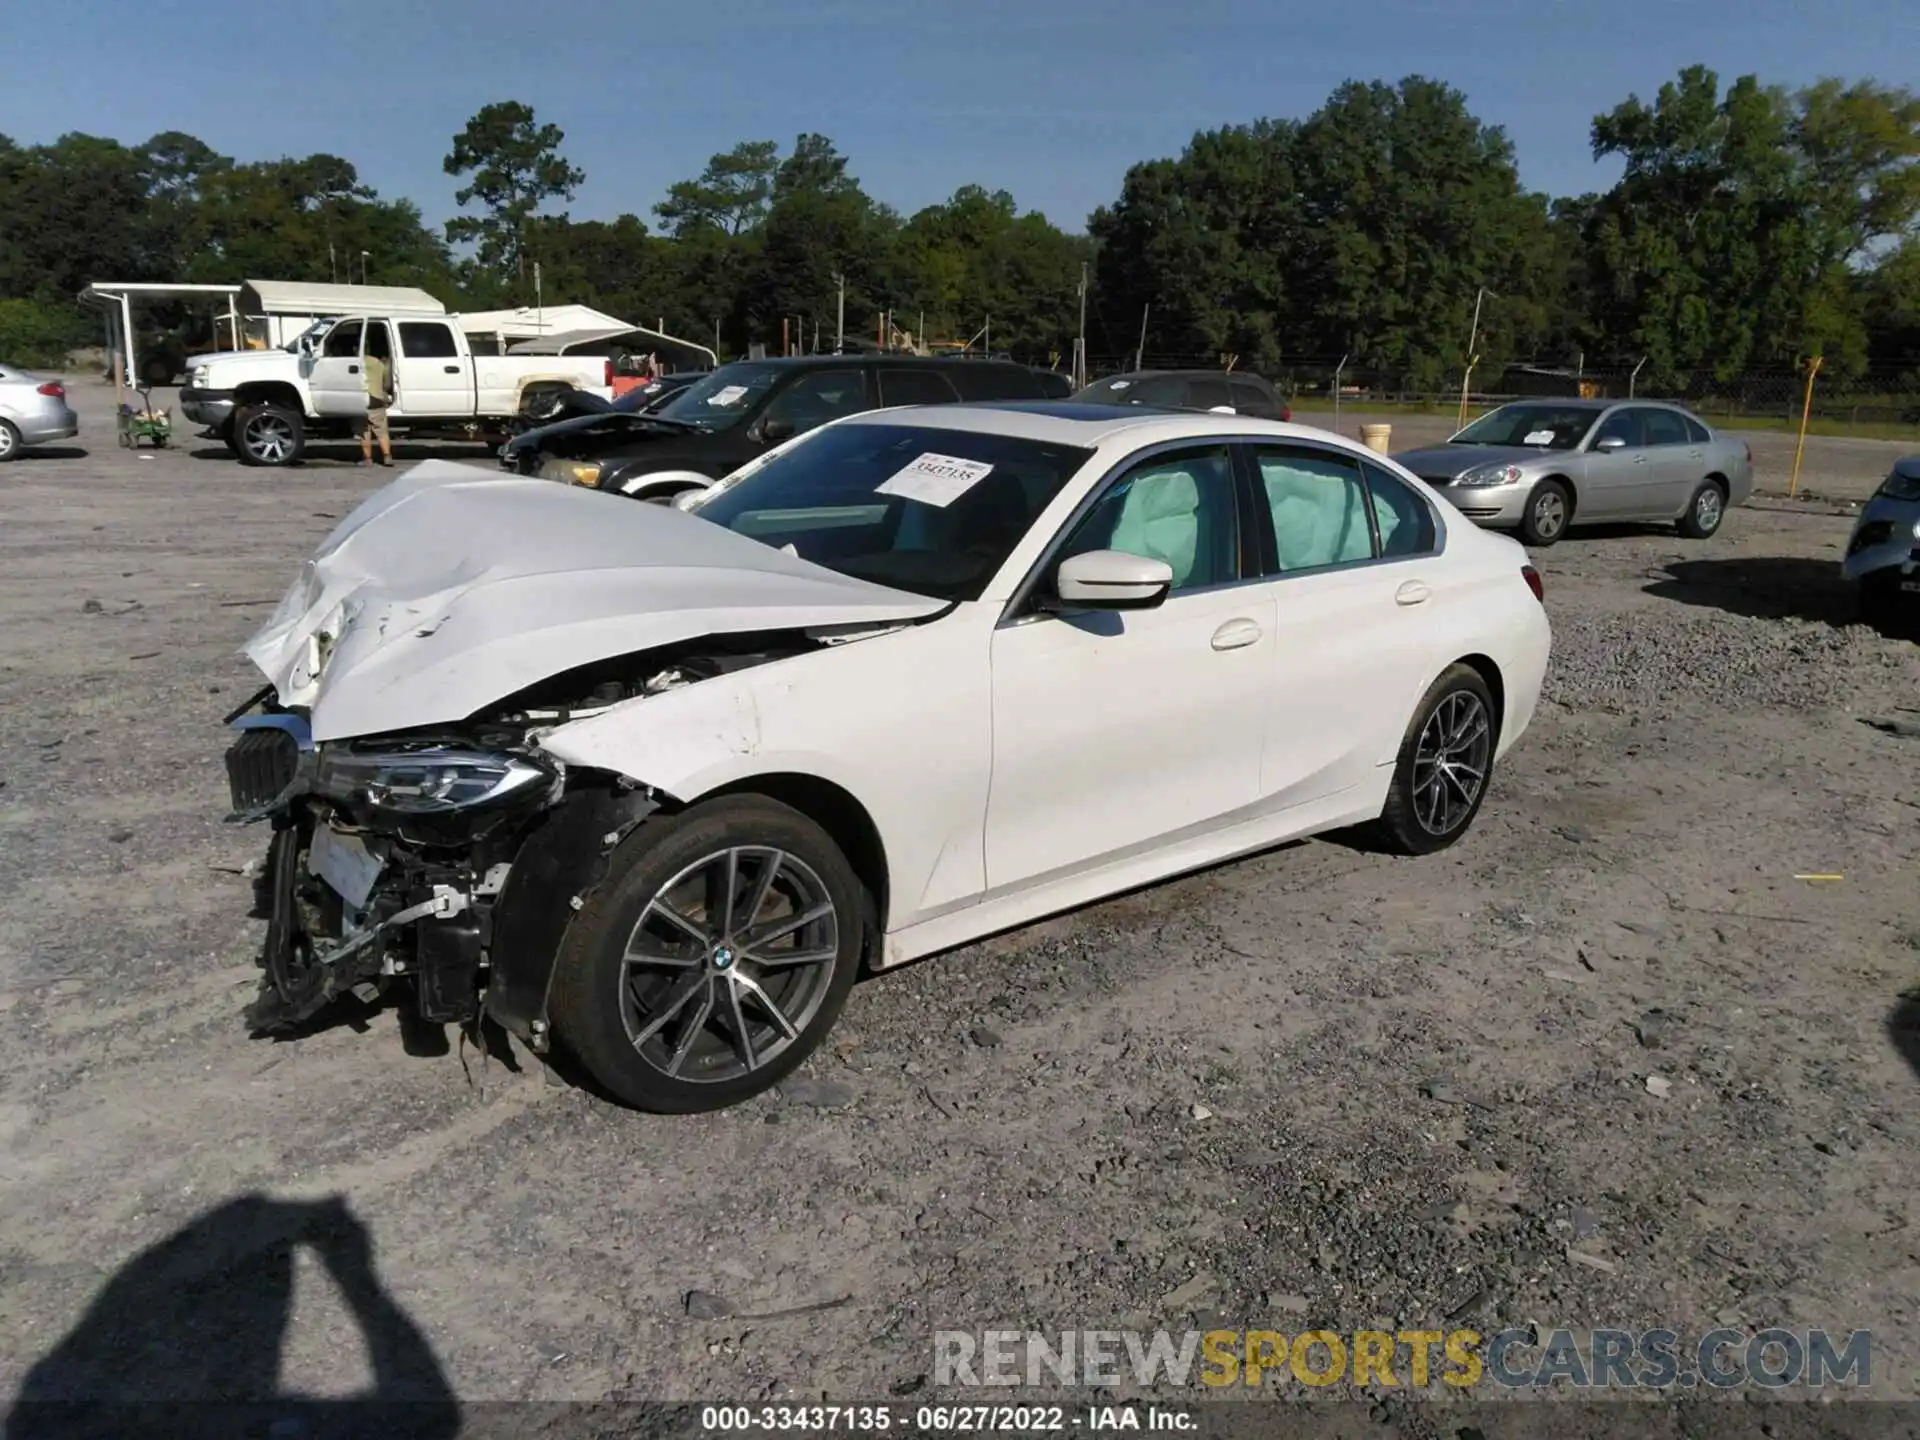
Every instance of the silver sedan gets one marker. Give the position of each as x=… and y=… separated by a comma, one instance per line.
x=1538, y=466
x=1883, y=552
x=33, y=411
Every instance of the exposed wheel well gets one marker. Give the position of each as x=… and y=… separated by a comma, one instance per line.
x=269, y=393
x=1719, y=480
x=835, y=811
x=1490, y=673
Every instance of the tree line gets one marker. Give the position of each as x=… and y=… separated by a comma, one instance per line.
x=1751, y=227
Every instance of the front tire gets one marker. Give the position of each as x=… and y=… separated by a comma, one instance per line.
x=269, y=436
x=1549, y=509
x=1704, y=512
x=715, y=956
x=9, y=442
x=1444, y=766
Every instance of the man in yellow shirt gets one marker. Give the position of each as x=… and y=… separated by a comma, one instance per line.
x=377, y=370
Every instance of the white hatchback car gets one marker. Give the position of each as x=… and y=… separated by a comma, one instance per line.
x=652, y=786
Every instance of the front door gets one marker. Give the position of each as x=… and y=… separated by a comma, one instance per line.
x=1113, y=730
x=431, y=376
x=334, y=378
x=1614, y=480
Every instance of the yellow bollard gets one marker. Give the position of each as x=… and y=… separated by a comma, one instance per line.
x=1806, y=413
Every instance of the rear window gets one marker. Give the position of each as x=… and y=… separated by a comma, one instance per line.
x=1696, y=432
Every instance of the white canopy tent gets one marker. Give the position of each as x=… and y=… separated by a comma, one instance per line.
x=532, y=322
x=300, y=297
x=116, y=299
x=590, y=340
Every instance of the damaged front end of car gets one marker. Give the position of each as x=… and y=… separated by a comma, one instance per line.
x=448, y=859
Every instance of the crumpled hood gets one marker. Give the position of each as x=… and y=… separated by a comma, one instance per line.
x=1452, y=461
x=457, y=586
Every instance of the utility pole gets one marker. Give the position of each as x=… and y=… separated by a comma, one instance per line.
x=986, y=337
x=1140, y=355
x=1080, y=342
x=364, y=256
x=840, y=316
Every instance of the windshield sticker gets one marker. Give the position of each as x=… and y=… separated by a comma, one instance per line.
x=936, y=480
x=1537, y=437
x=728, y=395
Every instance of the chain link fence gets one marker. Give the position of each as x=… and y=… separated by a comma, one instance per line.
x=1883, y=399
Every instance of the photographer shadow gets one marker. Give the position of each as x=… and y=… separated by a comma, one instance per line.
x=186, y=1340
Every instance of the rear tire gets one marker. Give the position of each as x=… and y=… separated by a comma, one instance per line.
x=9, y=442
x=269, y=436
x=1705, y=511
x=1444, y=766
x=1549, y=510
x=661, y=973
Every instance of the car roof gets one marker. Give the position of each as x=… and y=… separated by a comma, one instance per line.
x=1179, y=374
x=1067, y=422
x=821, y=362
x=1581, y=402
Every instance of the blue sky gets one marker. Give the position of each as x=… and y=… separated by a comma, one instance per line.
x=1050, y=99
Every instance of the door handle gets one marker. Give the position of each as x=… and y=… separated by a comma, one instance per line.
x=1411, y=593
x=1236, y=634
x=451, y=369
x=353, y=369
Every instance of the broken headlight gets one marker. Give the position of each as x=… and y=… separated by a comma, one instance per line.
x=430, y=781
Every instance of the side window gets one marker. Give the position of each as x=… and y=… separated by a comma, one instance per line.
x=1622, y=425
x=1209, y=393
x=344, y=339
x=1178, y=508
x=1167, y=390
x=1663, y=427
x=1402, y=519
x=980, y=381
x=1696, y=432
x=427, y=340
x=1319, y=507
x=818, y=397
x=915, y=387
x=1252, y=399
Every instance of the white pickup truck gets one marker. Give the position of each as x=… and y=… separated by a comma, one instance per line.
x=266, y=404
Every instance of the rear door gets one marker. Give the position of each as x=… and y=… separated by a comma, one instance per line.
x=336, y=385
x=432, y=377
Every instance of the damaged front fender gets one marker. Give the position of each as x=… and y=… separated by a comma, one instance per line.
x=560, y=864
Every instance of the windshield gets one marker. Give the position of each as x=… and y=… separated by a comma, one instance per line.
x=1546, y=427
x=932, y=511
x=719, y=399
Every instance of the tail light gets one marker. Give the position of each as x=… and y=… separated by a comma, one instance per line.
x=53, y=388
x=1532, y=577
x=607, y=375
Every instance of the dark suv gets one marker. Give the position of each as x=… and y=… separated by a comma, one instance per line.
x=1236, y=390
x=732, y=414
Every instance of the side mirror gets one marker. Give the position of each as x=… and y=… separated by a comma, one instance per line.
x=1111, y=580
x=1607, y=444
x=775, y=429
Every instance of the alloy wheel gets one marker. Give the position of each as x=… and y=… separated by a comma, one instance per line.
x=1549, y=514
x=1706, y=508
x=728, y=964
x=269, y=439
x=1450, y=763
x=6, y=441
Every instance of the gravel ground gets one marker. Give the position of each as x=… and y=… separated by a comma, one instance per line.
x=1315, y=1088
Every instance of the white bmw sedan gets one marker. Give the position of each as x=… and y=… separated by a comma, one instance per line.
x=651, y=785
